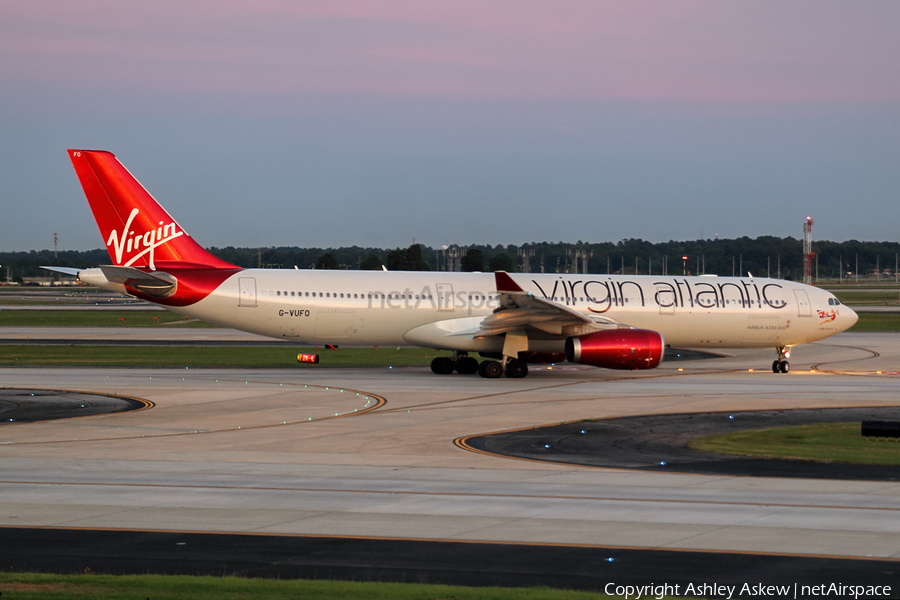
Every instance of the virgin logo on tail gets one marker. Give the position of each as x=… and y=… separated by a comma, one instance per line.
x=147, y=242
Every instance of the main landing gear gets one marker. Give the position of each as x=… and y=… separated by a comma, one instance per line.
x=514, y=368
x=461, y=363
x=490, y=369
x=781, y=365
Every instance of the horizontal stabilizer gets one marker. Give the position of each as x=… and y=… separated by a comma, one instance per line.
x=67, y=270
x=156, y=283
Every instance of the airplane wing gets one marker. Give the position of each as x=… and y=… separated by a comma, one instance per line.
x=520, y=310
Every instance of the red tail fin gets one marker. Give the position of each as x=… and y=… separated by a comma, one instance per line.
x=137, y=231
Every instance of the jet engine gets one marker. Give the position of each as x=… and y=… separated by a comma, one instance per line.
x=617, y=349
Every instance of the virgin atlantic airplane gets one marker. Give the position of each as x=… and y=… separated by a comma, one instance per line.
x=609, y=321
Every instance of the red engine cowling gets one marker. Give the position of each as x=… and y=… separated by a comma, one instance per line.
x=617, y=349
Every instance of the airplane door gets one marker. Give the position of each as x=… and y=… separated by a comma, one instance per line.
x=803, y=308
x=666, y=300
x=444, y=296
x=248, y=291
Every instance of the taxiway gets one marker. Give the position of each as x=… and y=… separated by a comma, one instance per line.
x=369, y=453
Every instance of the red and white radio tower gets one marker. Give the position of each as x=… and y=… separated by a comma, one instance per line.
x=807, y=251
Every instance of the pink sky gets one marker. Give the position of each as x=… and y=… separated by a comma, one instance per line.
x=457, y=121
x=750, y=52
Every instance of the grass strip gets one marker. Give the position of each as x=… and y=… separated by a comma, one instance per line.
x=39, y=586
x=207, y=356
x=885, y=297
x=153, y=318
x=821, y=442
x=877, y=322
x=95, y=318
x=49, y=302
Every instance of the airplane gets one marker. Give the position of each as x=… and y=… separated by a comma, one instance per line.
x=510, y=320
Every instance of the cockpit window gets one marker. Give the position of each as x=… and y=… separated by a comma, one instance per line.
x=834, y=302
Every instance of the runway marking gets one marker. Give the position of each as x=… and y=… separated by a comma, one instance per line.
x=379, y=402
x=454, y=541
x=705, y=372
x=448, y=494
x=842, y=371
x=773, y=395
x=551, y=386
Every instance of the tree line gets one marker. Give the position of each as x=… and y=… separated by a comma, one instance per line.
x=763, y=256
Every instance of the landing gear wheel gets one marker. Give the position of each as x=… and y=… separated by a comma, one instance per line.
x=516, y=369
x=466, y=366
x=781, y=365
x=442, y=365
x=490, y=369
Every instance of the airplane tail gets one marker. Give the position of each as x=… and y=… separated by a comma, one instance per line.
x=137, y=231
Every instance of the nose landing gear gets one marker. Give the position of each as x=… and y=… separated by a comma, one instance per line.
x=781, y=365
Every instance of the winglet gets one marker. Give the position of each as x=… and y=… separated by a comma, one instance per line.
x=505, y=282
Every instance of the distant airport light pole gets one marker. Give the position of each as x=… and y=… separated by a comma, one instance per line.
x=684, y=265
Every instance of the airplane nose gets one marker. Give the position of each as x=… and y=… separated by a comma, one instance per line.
x=849, y=317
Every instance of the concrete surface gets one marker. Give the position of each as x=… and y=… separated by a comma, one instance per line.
x=288, y=452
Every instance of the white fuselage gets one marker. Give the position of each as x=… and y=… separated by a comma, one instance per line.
x=435, y=309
